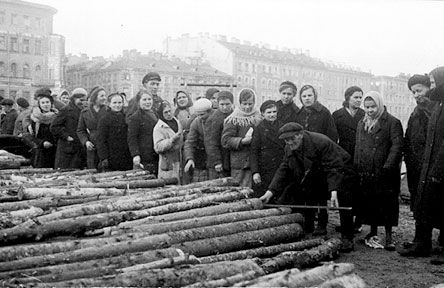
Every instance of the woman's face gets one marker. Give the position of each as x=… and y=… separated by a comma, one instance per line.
x=101, y=98
x=270, y=114
x=419, y=93
x=116, y=103
x=182, y=100
x=355, y=100
x=247, y=105
x=45, y=104
x=167, y=113
x=370, y=107
x=287, y=96
x=64, y=99
x=308, y=97
x=146, y=102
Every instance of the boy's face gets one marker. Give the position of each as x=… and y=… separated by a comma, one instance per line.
x=419, y=93
x=225, y=106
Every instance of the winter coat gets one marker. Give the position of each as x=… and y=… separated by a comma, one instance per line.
x=19, y=129
x=377, y=159
x=70, y=154
x=169, y=151
x=112, y=142
x=296, y=181
x=346, y=125
x=194, y=148
x=267, y=152
x=133, y=106
x=287, y=113
x=429, y=204
x=87, y=131
x=232, y=135
x=185, y=117
x=318, y=119
x=414, y=147
x=43, y=157
x=216, y=153
x=140, y=138
x=8, y=122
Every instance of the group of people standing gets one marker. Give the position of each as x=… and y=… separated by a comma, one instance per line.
x=287, y=154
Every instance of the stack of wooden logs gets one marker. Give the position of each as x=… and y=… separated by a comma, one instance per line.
x=126, y=229
x=11, y=161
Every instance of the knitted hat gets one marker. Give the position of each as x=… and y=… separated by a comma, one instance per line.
x=151, y=76
x=290, y=129
x=210, y=92
x=225, y=95
x=202, y=105
x=7, y=102
x=418, y=79
x=22, y=102
x=288, y=84
x=78, y=92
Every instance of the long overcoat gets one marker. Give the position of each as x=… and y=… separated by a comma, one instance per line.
x=377, y=159
x=43, y=157
x=267, y=153
x=346, y=125
x=140, y=138
x=112, y=141
x=70, y=154
x=429, y=204
x=318, y=119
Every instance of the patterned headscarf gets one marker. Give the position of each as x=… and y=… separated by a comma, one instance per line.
x=370, y=122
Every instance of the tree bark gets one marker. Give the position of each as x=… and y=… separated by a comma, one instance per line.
x=226, y=282
x=347, y=281
x=301, y=259
x=12, y=218
x=108, y=247
x=27, y=193
x=263, y=252
x=203, y=247
x=132, y=184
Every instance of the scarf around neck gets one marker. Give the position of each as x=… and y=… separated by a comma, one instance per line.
x=243, y=119
x=43, y=118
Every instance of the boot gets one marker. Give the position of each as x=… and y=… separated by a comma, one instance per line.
x=438, y=259
x=417, y=249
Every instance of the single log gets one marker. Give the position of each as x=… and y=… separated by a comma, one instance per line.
x=226, y=282
x=263, y=252
x=163, y=263
x=132, y=184
x=27, y=171
x=203, y=221
x=12, y=218
x=300, y=259
x=170, y=277
x=33, y=193
x=347, y=281
x=294, y=278
x=113, y=246
x=203, y=247
x=243, y=205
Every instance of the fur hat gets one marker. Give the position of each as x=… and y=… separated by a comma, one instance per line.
x=151, y=76
x=210, y=92
x=78, y=92
x=22, y=102
x=202, y=105
x=42, y=92
x=418, y=79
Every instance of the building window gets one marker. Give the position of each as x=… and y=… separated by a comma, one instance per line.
x=13, y=70
x=2, y=69
x=26, y=22
x=14, y=19
x=2, y=17
x=52, y=48
x=26, y=71
x=51, y=74
x=14, y=44
x=2, y=42
x=25, y=45
x=38, y=47
x=38, y=22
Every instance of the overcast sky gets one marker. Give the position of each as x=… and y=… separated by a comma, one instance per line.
x=384, y=37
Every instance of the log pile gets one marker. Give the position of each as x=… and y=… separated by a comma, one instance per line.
x=11, y=161
x=73, y=228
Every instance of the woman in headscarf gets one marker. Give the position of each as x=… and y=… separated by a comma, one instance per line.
x=112, y=146
x=238, y=134
x=267, y=150
x=87, y=127
x=315, y=117
x=41, y=119
x=378, y=155
x=168, y=141
x=140, y=133
x=184, y=109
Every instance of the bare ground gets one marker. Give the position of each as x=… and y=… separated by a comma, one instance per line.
x=381, y=268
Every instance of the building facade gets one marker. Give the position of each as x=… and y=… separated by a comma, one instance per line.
x=263, y=69
x=125, y=74
x=31, y=55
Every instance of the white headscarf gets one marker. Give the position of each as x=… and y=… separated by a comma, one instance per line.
x=370, y=122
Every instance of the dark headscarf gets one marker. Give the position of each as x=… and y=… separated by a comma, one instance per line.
x=173, y=122
x=437, y=93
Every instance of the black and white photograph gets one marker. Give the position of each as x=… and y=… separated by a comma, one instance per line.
x=209, y=143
